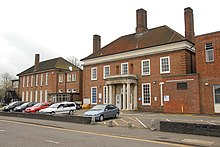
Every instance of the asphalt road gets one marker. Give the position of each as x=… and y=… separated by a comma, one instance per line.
x=18, y=134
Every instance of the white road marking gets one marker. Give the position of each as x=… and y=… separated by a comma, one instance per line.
x=211, y=123
x=124, y=120
x=115, y=123
x=198, y=142
x=104, y=122
x=131, y=118
x=141, y=123
x=2, y=130
x=167, y=120
x=51, y=141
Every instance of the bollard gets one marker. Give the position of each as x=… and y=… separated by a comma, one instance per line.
x=110, y=123
x=93, y=121
x=155, y=125
x=129, y=125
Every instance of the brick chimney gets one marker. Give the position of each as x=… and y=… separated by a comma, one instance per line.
x=141, y=18
x=189, y=24
x=96, y=43
x=37, y=62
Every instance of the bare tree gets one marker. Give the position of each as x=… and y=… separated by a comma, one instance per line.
x=74, y=61
x=6, y=80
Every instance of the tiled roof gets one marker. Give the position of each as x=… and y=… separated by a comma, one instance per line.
x=56, y=63
x=152, y=37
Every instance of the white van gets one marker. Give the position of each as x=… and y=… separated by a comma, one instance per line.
x=60, y=108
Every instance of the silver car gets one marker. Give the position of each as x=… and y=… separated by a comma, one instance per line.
x=60, y=108
x=103, y=111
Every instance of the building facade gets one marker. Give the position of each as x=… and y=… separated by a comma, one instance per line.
x=208, y=68
x=149, y=70
x=51, y=80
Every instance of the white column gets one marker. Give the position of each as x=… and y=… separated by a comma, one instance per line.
x=161, y=93
x=135, y=96
x=128, y=96
x=107, y=94
x=110, y=94
x=124, y=98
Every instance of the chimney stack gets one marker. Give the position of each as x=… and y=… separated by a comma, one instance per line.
x=141, y=18
x=96, y=43
x=37, y=62
x=189, y=24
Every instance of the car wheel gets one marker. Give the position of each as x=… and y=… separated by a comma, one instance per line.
x=101, y=117
x=117, y=115
x=71, y=112
x=37, y=111
x=52, y=113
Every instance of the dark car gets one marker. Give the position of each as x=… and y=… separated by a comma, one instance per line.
x=12, y=105
x=103, y=111
x=22, y=107
x=78, y=106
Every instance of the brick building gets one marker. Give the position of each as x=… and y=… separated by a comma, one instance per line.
x=208, y=68
x=51, y=80
x=150, y=70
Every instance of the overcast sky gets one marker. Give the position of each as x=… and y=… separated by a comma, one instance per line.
x=63, y=28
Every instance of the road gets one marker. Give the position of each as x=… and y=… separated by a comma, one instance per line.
x=21, y=134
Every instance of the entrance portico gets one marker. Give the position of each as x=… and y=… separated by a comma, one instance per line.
x=122, y=91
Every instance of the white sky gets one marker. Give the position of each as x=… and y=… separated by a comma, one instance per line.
x=63, y=28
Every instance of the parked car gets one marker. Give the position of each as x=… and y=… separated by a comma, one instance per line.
x=22, y=107
x=103, y=111
x=12, y=105
x=78, y=106
x=37, y=107
x=60, y=108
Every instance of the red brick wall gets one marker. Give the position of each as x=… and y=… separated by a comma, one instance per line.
x=179, y=65
x=209, y=71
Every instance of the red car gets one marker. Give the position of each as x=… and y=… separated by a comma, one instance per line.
x=37, y=107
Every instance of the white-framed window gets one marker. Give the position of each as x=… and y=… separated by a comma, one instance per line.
x=105, y=95
x=106, y=71
x=68, y=90
x=46, y=97
x=74, y=90
x=27, y=81
x=36, y=79
x=31, y=96
x=145, y=67
x=36, y=96
x=73, y=76
x=93, y=95
x=47, y=76
x=27, y=95
x=209, y=51
x=94, y=73
x=41, y=79
x=165, y=65
x=22, y=95
x=146, y=94
x=124, y=68
x=68, y=78
x=32, y=79
x=41, y=96
x=60, y=90
x=60, y=78
x=23, y=81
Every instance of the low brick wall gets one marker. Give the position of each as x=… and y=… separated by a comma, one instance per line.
x=190, y=128
x=63, y=118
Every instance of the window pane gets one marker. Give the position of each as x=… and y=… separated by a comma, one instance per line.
x=146, y=93
x=181, y=86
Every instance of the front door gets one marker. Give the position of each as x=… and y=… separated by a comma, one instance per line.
x=217, y=98
x=118, y=101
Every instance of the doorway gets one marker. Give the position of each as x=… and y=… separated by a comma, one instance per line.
x=119, y=101
x=216, y=91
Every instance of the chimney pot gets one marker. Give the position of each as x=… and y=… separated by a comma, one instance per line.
x=141, y=18
x=96, y=43
x=189, y=24
x=37, y=62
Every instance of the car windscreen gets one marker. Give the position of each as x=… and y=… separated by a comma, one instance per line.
x=98, y=107
x=53, y=106
x=25, y=104
x=11, y=104
x=38, y=104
